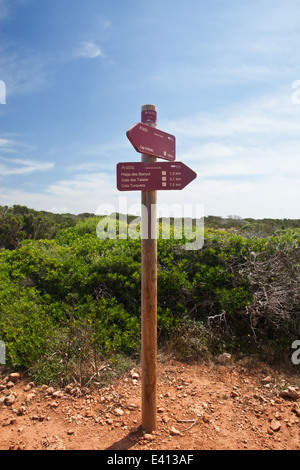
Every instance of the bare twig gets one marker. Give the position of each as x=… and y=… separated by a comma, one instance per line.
x=193, y=421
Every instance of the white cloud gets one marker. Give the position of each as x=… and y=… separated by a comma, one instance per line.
x=6, y=145
x=91, y=167
x=269, y=114
x=82, y=193
x=247, y=158
x=12, y=145
x=88, y=50
x=221, y=192
x=17, y=166
x=261, y=134
x=103, y=149
x=25, y=71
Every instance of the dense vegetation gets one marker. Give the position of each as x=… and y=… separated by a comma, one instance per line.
x=70, y=302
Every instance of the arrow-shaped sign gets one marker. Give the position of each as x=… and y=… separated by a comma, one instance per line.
x=151, y=141
x=140, y=176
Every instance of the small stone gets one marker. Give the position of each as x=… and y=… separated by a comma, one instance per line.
x=134, y=375
x=149, y=437
x=133, y=406
x=70, y=432
x=174, y=431
x=14, y=377
x=259, y=397
x=291, y=393
x=266, y=380
x=275, y=425
x=35, y=418
x=9, y=422
x=50, y=391
x=119, y=412
x=58, y=394
x=296, y=409
x=30, y=397
x=54, y=404
x=9, y=400
x=21, y=411
x=224, y=358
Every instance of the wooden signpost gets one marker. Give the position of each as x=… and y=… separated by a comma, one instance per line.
x=148, y=176
x=149, y=298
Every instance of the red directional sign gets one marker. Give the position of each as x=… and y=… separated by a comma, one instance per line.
x=151, y=141
x=140, y=176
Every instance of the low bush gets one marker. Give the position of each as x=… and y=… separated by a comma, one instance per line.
x=70, y=303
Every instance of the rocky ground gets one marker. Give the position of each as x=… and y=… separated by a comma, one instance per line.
x=201, y=406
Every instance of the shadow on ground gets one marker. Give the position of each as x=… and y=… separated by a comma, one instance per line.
x=128, y=441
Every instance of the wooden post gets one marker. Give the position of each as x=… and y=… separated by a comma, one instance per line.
x=149, y=292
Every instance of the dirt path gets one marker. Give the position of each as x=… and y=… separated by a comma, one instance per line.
x=200, y=407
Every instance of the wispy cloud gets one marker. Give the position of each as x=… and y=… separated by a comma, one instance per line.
x=247, y=156
x=8, y=145
x=81, y=193
x=17, y=166
x=88, y=50
x=82, y=186
x=90, y=167
x=270, y=114
x=23, y=71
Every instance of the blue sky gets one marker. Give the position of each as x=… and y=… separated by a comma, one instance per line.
x=222, y=73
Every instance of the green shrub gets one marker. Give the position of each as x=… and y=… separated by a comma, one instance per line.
x=69, y=303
